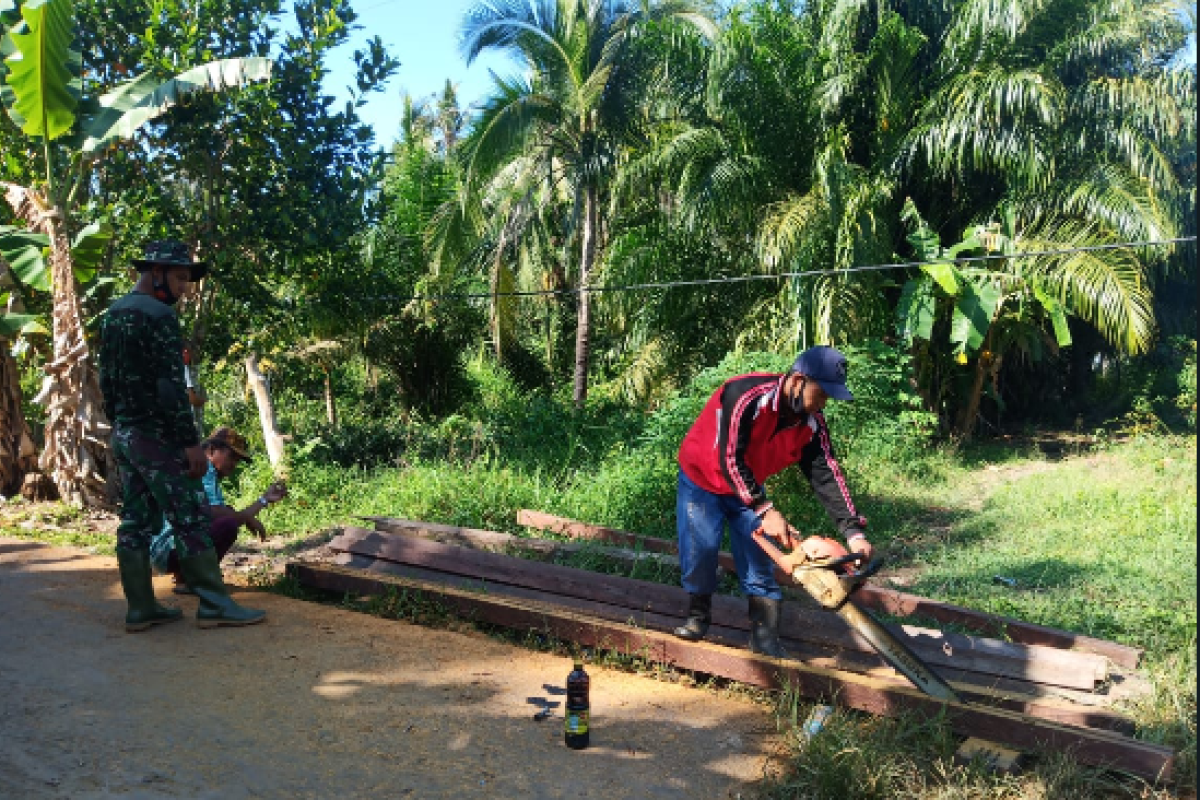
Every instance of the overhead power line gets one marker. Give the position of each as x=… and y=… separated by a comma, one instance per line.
x=779, y=275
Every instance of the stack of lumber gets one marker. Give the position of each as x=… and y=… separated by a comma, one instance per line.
x=1030, y=696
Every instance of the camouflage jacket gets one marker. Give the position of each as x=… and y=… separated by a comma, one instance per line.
x=141, y=370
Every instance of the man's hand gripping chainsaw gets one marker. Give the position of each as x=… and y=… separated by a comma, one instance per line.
x=823, y=568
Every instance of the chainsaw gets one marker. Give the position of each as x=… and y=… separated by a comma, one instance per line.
x=831, y=576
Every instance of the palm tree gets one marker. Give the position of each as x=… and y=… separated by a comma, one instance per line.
x=556, y=133
x=1059, y=113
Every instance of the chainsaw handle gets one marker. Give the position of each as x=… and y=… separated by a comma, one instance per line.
x=764, y=541
x=768, y=546
x=863, y=573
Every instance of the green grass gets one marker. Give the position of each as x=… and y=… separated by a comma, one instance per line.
x=1100, y=542
x=1103, y=545
x=53, y=524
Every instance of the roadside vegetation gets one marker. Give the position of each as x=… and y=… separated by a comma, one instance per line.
x=1096, y=528
x=523, y=302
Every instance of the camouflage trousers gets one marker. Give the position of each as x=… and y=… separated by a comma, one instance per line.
x=155, y=486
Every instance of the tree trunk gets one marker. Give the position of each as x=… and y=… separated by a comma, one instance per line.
x=583, y=332
x=266, y=409
x=18, y=455
x=75, y=454
x=495, y=317
x=330, y=404
x=984, y=366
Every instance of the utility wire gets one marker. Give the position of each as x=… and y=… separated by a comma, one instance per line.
x=778, y=275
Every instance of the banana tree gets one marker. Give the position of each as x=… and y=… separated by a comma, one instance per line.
x=22, y=268
x=1017, y=303
x=42, y=90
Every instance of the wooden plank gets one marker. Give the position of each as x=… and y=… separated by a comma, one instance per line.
x=1022, y=698
x=886, y=600
x=866, y=693
x=496, y=541
x=957, y=651
x=581, y=530
x=902, y=605
x=503, y=542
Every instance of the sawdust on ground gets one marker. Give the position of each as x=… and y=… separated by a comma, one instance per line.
x=321, y=703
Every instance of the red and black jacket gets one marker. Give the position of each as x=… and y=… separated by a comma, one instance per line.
x=737, y=442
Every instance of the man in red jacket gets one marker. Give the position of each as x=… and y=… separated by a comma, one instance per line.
x=753, y=427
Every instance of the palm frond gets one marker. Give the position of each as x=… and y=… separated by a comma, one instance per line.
x=508, y=120
x=1143, y=156
x=643, y=374
x=980, y=25
x=789, y=226
x=1151, y=102
x=1120, y=202
x=531, y=31
x=1113, y=30
x=1107, y=288
x=957, y=147
x=839, y=29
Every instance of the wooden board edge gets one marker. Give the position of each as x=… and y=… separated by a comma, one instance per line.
x=1098, y=748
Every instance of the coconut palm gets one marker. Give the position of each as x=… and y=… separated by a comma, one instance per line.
x=558, y=131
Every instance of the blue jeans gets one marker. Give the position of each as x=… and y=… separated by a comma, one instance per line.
x=701, y=517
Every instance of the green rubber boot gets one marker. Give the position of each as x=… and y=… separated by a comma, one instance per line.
x=203, y=573
x=144, y=610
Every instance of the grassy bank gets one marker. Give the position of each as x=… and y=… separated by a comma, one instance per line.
x=1100, y=539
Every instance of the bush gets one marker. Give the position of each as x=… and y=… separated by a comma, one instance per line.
x=1155, y=392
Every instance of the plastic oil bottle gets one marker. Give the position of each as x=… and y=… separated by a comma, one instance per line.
x=578, y=712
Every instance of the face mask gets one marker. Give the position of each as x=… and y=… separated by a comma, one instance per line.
x=797, y=400
x=163, y=293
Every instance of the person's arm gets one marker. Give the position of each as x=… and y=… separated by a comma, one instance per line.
x=820, y=467
x=174, y=409
x=739, y=399
x=107, y=382
x=220, y=512
x=249, y=514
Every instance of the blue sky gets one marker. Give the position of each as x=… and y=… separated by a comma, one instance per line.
x=423, y=35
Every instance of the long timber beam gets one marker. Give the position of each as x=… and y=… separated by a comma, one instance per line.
x=886, y=600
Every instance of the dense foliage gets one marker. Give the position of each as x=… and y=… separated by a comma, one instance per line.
x=396, y=298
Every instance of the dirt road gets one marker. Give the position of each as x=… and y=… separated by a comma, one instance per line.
x=323, y=703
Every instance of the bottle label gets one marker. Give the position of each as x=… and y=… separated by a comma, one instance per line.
x=577, y=721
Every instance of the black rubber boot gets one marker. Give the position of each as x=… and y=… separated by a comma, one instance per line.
x=699, y=618
x=203, y=574
x=764, y=627
x=136, y=580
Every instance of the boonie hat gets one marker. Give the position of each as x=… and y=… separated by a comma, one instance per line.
x=826, y=366
x=170, y=253
x=228, y=437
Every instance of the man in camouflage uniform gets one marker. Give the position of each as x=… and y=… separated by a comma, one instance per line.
x=156, y=445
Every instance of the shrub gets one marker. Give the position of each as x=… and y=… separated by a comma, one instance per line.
x=1155, y=392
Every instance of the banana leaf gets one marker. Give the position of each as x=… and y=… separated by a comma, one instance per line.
x=131, y=105
x=41, y=82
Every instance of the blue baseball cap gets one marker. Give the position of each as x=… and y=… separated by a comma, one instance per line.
x=827, y=367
